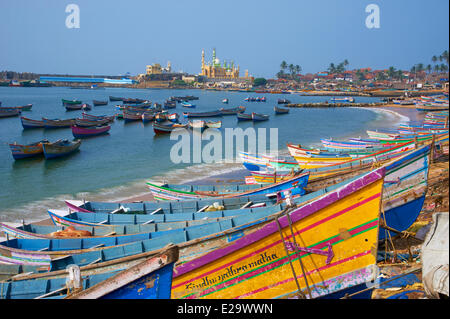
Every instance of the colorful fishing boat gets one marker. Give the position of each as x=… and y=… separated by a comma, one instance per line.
x=99, y=103
x=383, y=134
x=19, y=151
x=22, y=108
x=56, y=123
x=9, y=112
x=280, y=110
x=148, y=117
x=163, y=191
x=197, y=125
x=30, y=123
x=60, y=148
x=334, y=240
x=431, y=107
x=243, y=117
x=130, y=116
x=174, y=117
x=167, y=127
x=147, y=278
x=256, y=117
x=97, y=117
x=186, y=104
x=232, y=111
x=83, y=132
x=283, y=101
x=343, y=99
x=213, y=124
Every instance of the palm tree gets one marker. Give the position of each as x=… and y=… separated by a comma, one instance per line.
x=434, y=59
x=443, y=67
x=437, y=68
x=291, y=69
x=298, y=69
x=399, y=75
x=283, y=65
x=345, y=62
x=391, y=72
x=332, y=68
x=444, y=56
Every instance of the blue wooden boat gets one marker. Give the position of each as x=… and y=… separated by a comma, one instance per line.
x=150, y=278
x=186, y=104
x=19, y=151
x=243, y=117
x=280, y=110
x=259, y=117
x=202, y=114
x=60, y=148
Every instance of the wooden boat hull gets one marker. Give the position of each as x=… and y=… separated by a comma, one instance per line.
x=233, y=111
x=259, y=117
x=83, y=132
x=244, y=117
x=99, y=103
x=342, y=225
x=29, y=123
x=202, y=114
x=58, y=123
x=165, y=129
x=279, y=110
x=71, y=102
x=9, y=113
x=54, y=151
x=26, y=151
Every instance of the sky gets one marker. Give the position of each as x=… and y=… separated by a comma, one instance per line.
x=115, y=37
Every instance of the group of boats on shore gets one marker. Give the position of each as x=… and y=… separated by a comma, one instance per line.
x=423, y=103
x=306, y=227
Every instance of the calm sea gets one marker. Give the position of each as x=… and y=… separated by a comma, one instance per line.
x=116, y=165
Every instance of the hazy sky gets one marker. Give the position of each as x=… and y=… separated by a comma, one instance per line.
x=124, y=36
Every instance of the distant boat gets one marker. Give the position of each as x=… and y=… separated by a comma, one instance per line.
x=9, y=112
x=97, y=117
x=173, y=117
x=225, y=101
x=283, y=101
x=112, y=98
x=148, y=117
x=76, y=107
x=186, y=104
x=203, y=114
x=170, y=104
x=244, y=117
x=163, y=128
x=70, y=102
x=60, y=148
x=82, y=132
x=56, y=123
x=91, y=122
x=213, y=124
x=161, y=117
x=343, y=99
x=280, y=110
x=197, y=125
x=236, y=110
x=131, y=116
x=259, y=117
x=98, y=103
x=29, y=123
x=21, y=108
x=25, y=151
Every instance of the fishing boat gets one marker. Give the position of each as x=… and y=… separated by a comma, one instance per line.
x=115, y=99
x=83, y=132
x=99, y=103
x=283, y=101
x=148, y=117
x=280, y=110
x=167, y=127
x=383, y=134
x=232, y=111
x=197, y=125
x=30, y=123
x=343, y=99
x=76, y=107
x=270, y=176
x=170, y=104
x=186, y=104
x=243, y=117
x=91, y=122
x=56, y=123
x=213, y=124
x=130, y=116
x=174, y=117
x=19, y=151
x=148, y=278
x=9, y=112
x=60, y=148
x=133, y=101
x=184, y=192
x=259, y=265
x=21, y=108
x=259, y=117
x=242, y=225
x=431, y=107
x=162, y=116
x=202, y=114
x=70, y=102
x=97, y=117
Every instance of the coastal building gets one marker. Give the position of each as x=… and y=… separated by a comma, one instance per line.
x=157, y=69
x=213, y=69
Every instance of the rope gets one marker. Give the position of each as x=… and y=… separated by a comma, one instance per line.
x=302, y=295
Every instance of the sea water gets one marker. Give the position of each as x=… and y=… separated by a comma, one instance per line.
x=117, y=165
